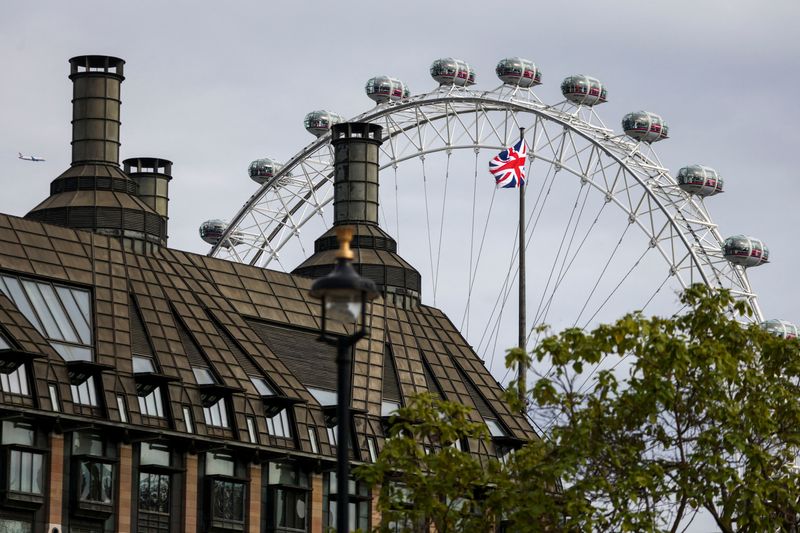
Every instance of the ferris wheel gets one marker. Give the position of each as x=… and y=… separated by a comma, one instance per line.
x=610, y=229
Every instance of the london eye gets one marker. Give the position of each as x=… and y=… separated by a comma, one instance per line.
x=610, y=228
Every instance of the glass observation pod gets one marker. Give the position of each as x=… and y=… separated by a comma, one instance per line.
x=384, y=89
x=262, y=170
x=584, y=90
x=781, y=328
x=518, y=71
x=211, y=230
x=699, y=180
x=645, y=126
x=320, y=122
x=450, y=71
x=745, y=251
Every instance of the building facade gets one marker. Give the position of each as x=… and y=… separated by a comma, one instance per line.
x=147, y=389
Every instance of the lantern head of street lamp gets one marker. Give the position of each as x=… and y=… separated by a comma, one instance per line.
x=344, y=293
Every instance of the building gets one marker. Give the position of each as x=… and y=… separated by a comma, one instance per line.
x=148, y=389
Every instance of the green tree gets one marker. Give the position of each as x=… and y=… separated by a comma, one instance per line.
x=697, y=411
x=424, y=476
x=693, y=412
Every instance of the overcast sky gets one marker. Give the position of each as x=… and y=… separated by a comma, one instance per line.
x=212, y=86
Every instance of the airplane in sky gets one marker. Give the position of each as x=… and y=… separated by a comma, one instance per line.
x=29, y=157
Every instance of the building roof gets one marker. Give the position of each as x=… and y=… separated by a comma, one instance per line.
x=184, y=310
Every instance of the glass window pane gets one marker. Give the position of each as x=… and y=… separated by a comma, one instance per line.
x=59, y=314
x=17, y=295
x=323, y=397
x=312, y=436
x=203, y=375
x=142, y=364
x=18, y=433
x=123, y=412
x=154, y=454
x=37, y=474
x=14, y=470
x=42, y=310
x=69, y=352
x=54, y=398
x=75, y=314
x=4, y=344
x=218, y=464
x=26, y=468
x=251, y=430
x=187, y=419
x=495, y=430
x=261, y=386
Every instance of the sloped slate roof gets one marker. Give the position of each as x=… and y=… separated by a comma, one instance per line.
x=222, y=305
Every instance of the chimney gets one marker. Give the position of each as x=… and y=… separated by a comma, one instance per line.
x=355, y=177
x=94, y=194
x=355, y=203
x=152, y=177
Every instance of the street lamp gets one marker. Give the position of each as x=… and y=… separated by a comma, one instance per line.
x=344, y=296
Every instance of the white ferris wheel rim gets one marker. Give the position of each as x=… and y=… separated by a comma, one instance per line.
x=259, y=230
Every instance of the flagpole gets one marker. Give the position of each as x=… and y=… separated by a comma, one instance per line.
x=522, y=370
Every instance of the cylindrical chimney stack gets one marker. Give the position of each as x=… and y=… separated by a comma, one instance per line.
x=96, y=101
x=94, y=194
x=355, y=196
x=152, y=176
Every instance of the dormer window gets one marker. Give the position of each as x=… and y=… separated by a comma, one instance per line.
x=279, y=425
x=61, y=314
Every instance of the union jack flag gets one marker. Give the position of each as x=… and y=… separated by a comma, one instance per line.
x=508, y=167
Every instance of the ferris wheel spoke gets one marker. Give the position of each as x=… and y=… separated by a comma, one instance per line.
x=602, y=273
x=616, y=288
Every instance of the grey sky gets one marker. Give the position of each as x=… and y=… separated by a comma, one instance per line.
x=213, y=85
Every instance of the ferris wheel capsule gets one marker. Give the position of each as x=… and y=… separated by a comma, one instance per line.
x=320, y=122
x=745, y=251
x=518, y=71
x=584, y=90
x=261, y=170
x=645, y=126
x=212, y=230
x=450, y=71
x=385, y=89
x=699, y=180
x=781, y=328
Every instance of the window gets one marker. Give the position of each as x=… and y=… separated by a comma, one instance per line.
x=8, y=525
x=203, y=375
x=261, y=386
x=4, y=343
x=187, y=419
x=217, y=414
x=358, y=498
x=61, y=314
x=226, y=494
x=85, y=393
x=388, y=408
x=15, y=382
x=151, y=405
x=24, y=465
x=143, y=365
x=312, y=436
x=332, y=435
x=154, y=489
x=123, y=411
x=495, y=430
x=251, y=430
x=372, y=447
x=323, y=397
x=288, y=498
x=278, y=425
x=53, y=389
x=95, y=474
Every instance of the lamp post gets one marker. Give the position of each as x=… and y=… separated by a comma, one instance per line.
x=344, y=296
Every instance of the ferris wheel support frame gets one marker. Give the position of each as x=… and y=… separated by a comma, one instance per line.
x=687, y=219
